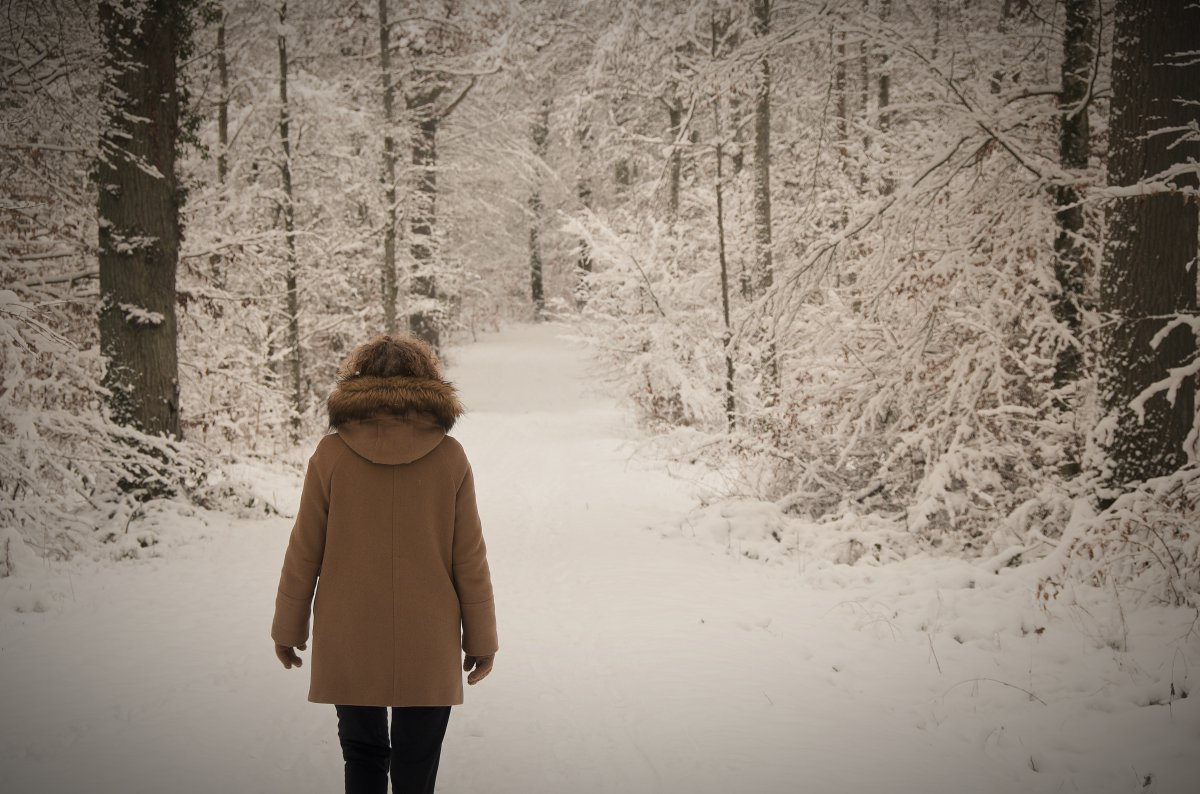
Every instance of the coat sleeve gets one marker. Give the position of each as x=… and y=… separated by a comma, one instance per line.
x=302, y=561
x=472, y=578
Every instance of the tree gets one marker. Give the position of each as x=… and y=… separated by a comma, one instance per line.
x=288, y=209
x=763, y=262
x=390, y=289
x=539, y=132
x=1148, y=267
x=1074, y=145
x=138, y=205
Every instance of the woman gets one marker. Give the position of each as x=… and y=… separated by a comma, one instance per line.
x=388, y=524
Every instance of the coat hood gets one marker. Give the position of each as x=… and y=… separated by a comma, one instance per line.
x=392, y=439
x=393, y=420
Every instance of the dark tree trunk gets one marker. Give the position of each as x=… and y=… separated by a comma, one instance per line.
x=389, y=287
x=841, y=110
x=1074, y=143
x=216, y=260
x=423, y=318
x=288, y=211
x=583, y=190
x=864, y=81
x=884, y=96
x=138, y=207
x=727, y=329
x=764, y=267
x=1148, y=268
x=675, y=163
x=540, y=133
x=222, y=104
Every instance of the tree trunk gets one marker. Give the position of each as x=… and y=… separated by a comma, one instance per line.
x=289, y=228
x=884, y=96
x=1148, y=268
x=1074, y=143
x=222, y=105
x=389, y=287
x=864, y=81
x=727, y=330
x=138, y=206
x=841, y=110
x=539, y=132
x=423, y=319
x=675, y=163
x=762, y=196
x=583, y=190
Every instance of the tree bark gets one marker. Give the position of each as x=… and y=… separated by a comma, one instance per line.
x=864, y=81
x=222, y=105
x=884, y=95
x=138, y=205
x=389, y=288
x=288, y=211
x=674, y=163
x=1074, y=144
x=422, y=318
x=764, y=266
x=727, y=330
x=583, y=190
x=1148, y=268
x=539, y=132
x=841, y=110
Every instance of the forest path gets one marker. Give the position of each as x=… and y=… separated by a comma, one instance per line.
x=629, y=662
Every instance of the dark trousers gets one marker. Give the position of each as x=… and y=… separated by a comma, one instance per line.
x=416, y=747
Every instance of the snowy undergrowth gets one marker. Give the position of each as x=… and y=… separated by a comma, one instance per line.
x=66, y=466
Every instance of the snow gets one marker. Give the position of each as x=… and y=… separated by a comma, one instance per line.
x=139, y=316
x=642, y=648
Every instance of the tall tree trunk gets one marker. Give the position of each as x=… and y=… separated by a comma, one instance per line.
x=841, y=110
x=583, y=191
x=288, y=210
x=765, y=273
x=864, y=82
x=222, y=104
x=1148, y=268
x=884, y=94
x=389, y=287
x=138, y=206
x=674, y=163
x=727, y=330
x=540, y=133
x=423, y=319
x=1074, y=143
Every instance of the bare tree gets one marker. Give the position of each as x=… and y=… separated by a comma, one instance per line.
x=539, y=132
x=288, y=210
x=764, y=267
x=390, y=289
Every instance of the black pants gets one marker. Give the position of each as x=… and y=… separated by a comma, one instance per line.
x=416, y=747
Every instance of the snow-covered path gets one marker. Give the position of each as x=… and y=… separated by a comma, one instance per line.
x=629, y=662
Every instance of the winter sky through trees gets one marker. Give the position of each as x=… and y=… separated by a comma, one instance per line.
x=881, y=303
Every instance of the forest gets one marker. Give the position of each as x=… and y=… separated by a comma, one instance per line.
x=924, y=266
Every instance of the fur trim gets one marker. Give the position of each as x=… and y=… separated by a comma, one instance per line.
x=367, y=396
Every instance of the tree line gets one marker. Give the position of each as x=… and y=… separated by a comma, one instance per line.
x=933, y=261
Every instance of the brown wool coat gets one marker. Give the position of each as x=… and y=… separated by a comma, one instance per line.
x=389, y=538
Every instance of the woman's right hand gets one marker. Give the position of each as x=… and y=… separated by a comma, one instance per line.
x=482, y=666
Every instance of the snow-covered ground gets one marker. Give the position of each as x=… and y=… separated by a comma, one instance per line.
x=635, y=656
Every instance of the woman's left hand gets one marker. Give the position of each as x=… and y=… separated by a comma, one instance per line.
x=287, y=655
x=482, y=666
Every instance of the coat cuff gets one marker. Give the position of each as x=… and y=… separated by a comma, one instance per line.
x=290, y=626
x=479, y=628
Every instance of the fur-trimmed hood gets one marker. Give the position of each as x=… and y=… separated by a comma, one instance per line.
x=365, y=397
x=393, y=420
